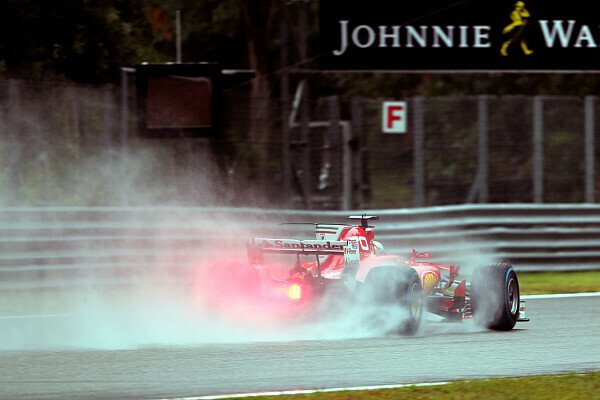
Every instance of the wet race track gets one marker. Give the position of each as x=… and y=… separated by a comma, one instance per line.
x=561, y=337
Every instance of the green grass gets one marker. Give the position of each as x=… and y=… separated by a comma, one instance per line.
x=548, y=387
x=559, y=282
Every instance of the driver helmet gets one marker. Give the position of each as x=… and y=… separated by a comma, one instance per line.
x=377, y=247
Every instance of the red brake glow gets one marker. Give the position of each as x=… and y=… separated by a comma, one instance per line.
x=295, y=292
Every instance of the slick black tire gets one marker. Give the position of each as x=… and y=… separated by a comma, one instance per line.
x=397, y=286
x=495, y=296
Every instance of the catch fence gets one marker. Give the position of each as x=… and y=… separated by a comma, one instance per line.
x=485, y=149
x=63, y=144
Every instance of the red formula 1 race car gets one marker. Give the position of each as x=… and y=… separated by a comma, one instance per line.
x=345, y=261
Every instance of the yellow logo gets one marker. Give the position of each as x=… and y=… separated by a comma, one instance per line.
x=429, y=281
x=519, y=17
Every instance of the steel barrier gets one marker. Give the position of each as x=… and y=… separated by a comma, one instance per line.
x=45, y=246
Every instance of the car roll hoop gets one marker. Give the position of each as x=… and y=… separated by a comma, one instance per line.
x=364, y=219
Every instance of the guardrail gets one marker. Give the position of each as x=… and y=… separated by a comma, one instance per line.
x=44, y=246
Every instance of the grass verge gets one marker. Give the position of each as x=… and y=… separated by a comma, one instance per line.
x=559, y=282
x=547, y=387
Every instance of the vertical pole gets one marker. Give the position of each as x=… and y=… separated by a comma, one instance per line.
x=348, y=166
x=285, y=103
x=418, y=151
x=305, y=110
x=538, y=149
x=109, y=122
x=590, y=162
x=365, y=177
x=109, y=117
x=306, y=176
x=178, y=36
x=76, y=121
x=303, y=22
x=337, y=154
x=483, y=148
x=356, y=147
x=125, y=129
x=14, y=133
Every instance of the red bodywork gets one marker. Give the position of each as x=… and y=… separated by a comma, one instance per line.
x=445, y=294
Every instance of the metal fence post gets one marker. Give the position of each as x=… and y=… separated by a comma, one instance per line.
x=14, y=133
x=109, y=124
x=305, y=169
x=337, y=155
x=483, y=149
x=305, y=108
x=538, y=149
x=125, y=129
x=109, y=118
x=357, y=148
x=418, y=151
x=590, y=128
x=285, y=105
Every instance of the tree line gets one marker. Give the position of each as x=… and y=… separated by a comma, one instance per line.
x=88, y=41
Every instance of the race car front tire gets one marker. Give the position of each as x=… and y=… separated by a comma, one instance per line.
x=495, y=296
x=398, y=286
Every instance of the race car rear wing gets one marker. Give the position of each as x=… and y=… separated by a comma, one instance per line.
x=294, y=246
x=348, y=249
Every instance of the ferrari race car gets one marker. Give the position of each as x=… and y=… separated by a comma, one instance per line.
x=345, y=261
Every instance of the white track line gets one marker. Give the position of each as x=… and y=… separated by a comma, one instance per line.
x=308, y=391
x=559, y=296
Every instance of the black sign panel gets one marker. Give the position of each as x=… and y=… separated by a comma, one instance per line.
x=177, y=100
x=476, y=35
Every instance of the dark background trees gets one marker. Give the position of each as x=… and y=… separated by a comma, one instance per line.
x=82, y=41
x=88, y=41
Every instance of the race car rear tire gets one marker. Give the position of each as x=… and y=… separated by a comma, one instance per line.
x=495, y=296
x=398, y=286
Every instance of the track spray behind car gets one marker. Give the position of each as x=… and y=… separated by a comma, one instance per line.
x=345, y=262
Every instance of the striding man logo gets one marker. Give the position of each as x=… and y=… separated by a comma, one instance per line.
x=514, y=31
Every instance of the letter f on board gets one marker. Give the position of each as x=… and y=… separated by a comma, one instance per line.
x=393, y=115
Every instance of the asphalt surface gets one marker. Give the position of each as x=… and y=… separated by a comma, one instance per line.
x=563, y=336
